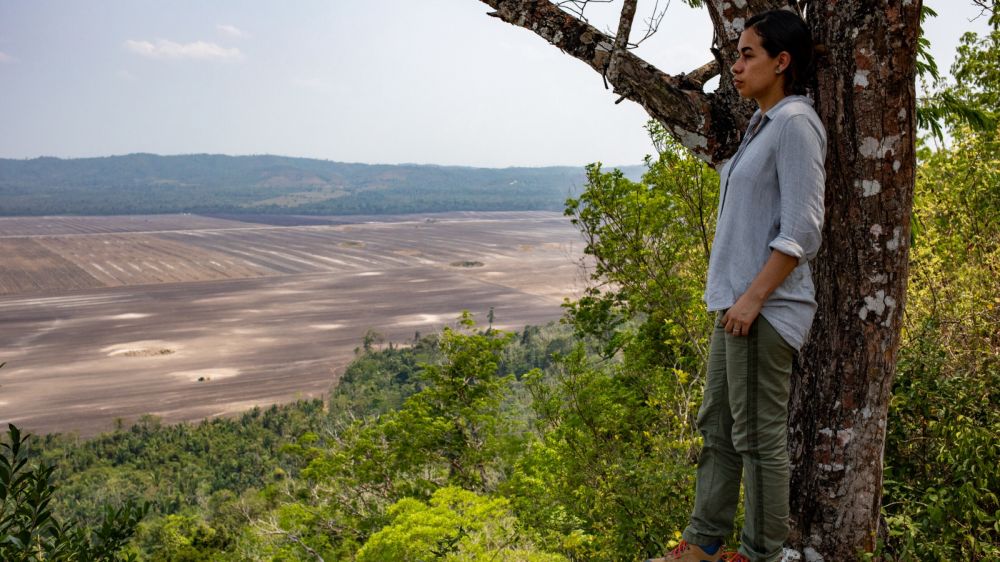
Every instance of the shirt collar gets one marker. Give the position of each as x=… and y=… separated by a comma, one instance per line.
x=778, y=107
x=776, y=110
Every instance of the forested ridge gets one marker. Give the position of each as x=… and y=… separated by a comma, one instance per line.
x=573, y=441
x=211, y=183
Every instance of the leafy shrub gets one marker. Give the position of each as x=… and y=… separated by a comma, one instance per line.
x=28, y=529
x=454, y=525
x=941, y=481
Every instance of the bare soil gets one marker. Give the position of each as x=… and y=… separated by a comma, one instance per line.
x=203, y=317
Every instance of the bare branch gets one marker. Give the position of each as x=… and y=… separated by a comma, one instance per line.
x=986, y=7
x=703, y=73
x=271, y=527
x=576, y=7
x=653, y=22
x=682, y=108
x=621, y=39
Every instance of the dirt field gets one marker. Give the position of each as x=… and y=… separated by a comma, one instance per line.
x=54, y=226
x=196, y=317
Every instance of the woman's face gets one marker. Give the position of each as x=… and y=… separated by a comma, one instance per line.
x=755, y=73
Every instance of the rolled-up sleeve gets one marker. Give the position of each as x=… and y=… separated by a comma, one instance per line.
x=801, y=183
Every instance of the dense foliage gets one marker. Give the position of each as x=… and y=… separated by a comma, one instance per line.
x=30, y=531
x=941, y=481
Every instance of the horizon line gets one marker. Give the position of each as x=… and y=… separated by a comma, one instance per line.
x=255, y=155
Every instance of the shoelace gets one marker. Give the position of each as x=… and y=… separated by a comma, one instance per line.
x=734, y=557
x=680, y=548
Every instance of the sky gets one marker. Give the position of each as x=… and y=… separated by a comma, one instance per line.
x=374, y=81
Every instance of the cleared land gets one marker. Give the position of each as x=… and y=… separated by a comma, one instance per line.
x=196, y=316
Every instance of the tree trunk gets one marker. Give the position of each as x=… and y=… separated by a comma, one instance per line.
x=865, y=97
x=841, y=391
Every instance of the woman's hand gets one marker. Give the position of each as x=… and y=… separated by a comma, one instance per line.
x=740, y=316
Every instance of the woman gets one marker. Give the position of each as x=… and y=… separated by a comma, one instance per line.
x=769, y=223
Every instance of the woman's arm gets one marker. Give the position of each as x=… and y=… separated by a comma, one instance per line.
x=738, y=318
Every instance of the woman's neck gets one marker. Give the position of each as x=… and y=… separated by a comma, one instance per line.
x=769, y=100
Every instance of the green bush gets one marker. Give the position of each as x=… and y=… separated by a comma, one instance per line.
x=454, y=525
x=28, y=529
x=941, y=481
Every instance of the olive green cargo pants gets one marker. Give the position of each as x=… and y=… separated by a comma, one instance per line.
x=744, y=422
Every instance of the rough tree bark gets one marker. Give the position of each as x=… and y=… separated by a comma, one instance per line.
x=865, y=96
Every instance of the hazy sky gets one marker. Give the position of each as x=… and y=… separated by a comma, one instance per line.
x=377, y=81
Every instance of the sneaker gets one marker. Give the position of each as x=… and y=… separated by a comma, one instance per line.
x=731, y=556
x=686, y=552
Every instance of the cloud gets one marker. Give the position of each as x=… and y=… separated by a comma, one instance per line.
x=199, y=50
x=231, y=31
x=6, y=59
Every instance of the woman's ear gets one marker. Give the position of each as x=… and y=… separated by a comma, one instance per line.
x=784, y=59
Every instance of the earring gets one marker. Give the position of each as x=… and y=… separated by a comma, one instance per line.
x=777, y=70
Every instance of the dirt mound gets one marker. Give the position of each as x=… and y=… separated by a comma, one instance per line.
x=147, y=348
x=142, y=352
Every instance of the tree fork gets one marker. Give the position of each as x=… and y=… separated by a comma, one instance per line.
x=675, y=102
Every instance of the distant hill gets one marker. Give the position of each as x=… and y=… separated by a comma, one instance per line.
x=208, y=183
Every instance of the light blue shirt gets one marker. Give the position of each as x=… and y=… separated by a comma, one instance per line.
x=771, y=198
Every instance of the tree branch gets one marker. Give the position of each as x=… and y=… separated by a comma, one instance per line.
x=684, y=110
x=625, y=25
x=578, y=6
x=703, y=73
x=621, y=40
x=709, y=125
x=986, y=7
x=274, y=529
x=653, y=23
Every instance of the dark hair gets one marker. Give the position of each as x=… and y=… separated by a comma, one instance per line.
x=782, y=30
